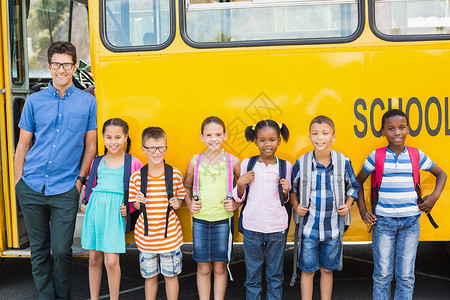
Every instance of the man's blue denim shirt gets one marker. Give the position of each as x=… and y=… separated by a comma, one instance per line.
x=59, y=126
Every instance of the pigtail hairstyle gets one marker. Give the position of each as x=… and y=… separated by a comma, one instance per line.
x=127, y=150
x=281, y=129
x=121, y=123
x=250, y=133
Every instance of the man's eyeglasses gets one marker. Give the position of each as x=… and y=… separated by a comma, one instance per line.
x=57, y=65
x=161, y=149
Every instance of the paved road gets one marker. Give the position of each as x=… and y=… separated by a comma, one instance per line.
x=354, y=282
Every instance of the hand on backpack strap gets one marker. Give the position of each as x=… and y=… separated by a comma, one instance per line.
x=428, y=203
x=368, y=217
x=195, y=206
x=300, y=210
x=285, y=185
x=343, y=210
x=175, y=203
x=246, y=178
x=123, y=210
x=83, y=208
x=231, y=205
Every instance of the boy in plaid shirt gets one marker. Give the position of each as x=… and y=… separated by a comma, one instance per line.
x=324, y=188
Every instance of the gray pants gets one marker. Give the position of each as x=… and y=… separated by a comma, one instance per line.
x=50, y=222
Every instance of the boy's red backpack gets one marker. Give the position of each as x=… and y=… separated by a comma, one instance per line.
x=377, y=176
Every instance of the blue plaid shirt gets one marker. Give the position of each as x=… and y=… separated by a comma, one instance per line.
x=322, y=220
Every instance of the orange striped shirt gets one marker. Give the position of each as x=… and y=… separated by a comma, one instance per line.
x=156, y=206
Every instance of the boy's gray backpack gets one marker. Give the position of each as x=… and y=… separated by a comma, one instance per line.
x=303, y=184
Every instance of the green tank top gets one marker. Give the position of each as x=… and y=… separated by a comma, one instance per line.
x=212, y=190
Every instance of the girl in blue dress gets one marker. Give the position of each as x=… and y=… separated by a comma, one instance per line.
x=103, y=232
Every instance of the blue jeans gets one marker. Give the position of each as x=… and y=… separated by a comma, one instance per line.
x=394, y=243
x=260, y=248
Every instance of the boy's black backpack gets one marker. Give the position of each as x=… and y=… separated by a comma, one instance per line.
x=282, y=172
x=131, y=217
x=168, y=178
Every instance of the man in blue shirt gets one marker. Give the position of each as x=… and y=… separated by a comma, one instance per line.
x=50, y=173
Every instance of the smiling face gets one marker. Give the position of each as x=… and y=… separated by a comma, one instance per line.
x=267, y=141
x=114, y=138
x=213, y=136
x=395, y=130
x=321, y=136
x=157, y=157
x=61, y=78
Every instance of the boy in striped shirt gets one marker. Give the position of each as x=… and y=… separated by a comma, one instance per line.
x=158, y=253
x=395, y=219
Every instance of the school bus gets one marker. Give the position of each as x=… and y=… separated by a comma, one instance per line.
x=172, y=63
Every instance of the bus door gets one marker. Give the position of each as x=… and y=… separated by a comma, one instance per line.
x=29, y=27
x=3, y=196
x=15, y=80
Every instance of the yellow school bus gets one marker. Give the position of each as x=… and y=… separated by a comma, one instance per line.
x=172, y=63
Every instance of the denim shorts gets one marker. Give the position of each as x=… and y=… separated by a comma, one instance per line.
x=211, y=240
x=169, y=264
x=323, y=254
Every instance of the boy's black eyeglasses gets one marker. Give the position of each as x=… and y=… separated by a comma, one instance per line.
x=161, y=149
x=57, y=65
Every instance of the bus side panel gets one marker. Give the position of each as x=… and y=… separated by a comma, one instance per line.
x=177, y=91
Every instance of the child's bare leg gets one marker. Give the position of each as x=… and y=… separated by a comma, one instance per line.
x=151, y=287
x=306, y=285
x=171, y=287
x=113, y=270
x=220, y=279
x=95, y=272
x=204, y=280
x=326, y=284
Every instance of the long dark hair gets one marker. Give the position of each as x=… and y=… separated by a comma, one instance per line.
x=121, y=123
x=251, y=132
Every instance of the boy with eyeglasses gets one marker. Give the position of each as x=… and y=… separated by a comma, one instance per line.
x=49, y=174
x=158, y=232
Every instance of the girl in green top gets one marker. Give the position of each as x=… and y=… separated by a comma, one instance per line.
x=212, y=209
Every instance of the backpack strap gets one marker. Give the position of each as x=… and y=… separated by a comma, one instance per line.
x=92, y=179
x=282, y=174
x=229, y=197
x=377, y=176
x=195, y=188
x=144, y=175
x=415, y=162
x=251, y=164
x=304, y=191
x=338, y=160
x=126, y=188
x=168, y=178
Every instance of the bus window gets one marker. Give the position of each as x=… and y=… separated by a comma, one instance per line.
x=138, y=24
x=410, y=19
x=278, y=21
x=51, y=21
x=16, y=36
x=79, y=32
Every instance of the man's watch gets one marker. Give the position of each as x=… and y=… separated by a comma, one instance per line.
x=82, y=179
